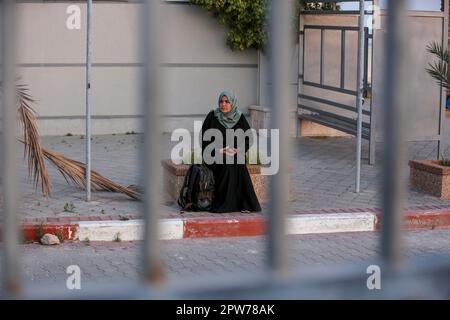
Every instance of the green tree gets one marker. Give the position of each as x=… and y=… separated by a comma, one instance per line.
x=246, y=19
x=439, y=70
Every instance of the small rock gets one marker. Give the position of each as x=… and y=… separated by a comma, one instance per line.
x=49, y=239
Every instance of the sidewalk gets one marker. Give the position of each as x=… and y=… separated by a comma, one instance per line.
x=323, y=197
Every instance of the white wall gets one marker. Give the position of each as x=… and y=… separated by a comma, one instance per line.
x=199, y=66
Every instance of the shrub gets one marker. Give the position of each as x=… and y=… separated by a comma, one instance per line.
x=246, y=19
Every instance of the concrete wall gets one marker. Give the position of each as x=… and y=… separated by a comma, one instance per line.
x=425, y=108
x=199, y=66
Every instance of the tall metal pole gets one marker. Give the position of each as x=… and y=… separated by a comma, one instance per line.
x=359, y=98
x=151, y=95
x=396, y=95
x=10, y=230
x=281, y=46
x=88, y=99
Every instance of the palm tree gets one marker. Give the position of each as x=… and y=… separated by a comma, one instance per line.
x=71, y=170
x=439, y=69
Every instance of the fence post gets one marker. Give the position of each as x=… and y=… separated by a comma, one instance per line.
x=280, y=39
x=10, y=230
x=151, y=105
x=360, y=89
x=394, y=155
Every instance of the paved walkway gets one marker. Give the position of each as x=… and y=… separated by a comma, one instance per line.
x=322, y=177
x=183, y=259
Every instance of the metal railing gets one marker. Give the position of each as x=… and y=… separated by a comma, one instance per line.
x=334, y=119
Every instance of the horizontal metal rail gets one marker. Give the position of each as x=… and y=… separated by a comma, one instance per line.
x=330, y=12
x=322, y=27
x=327, y=87
x=332, y=103
x=329, y=114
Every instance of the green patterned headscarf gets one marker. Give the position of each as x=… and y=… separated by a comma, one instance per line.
x=229, y=119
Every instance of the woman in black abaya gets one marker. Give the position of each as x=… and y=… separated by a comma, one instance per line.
x=233, y=186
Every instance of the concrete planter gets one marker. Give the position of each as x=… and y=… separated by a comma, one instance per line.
x=173, y=176
x=430, y=177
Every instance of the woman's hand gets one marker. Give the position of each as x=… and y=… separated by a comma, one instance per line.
x=228, y=151
x=231, y=151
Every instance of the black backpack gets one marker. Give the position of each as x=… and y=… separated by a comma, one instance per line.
x=197, y=193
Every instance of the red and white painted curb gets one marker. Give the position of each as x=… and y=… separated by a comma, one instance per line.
x=329, y=221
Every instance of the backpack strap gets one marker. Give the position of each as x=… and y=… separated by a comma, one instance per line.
x=182, y=198
x=185, y=200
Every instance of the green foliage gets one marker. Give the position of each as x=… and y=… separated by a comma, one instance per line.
x=444, y=161
x=320, y=6
x=69, y=207
x=439, y=70
x=254, y=156
x=246, y=19
x=192, y=157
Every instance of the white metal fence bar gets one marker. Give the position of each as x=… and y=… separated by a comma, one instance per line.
x=360, y=89
x=396, y=94
x=151, y=89
x=10, y=230
x=280, y=40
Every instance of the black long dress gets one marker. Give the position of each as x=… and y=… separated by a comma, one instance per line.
x=233, y=186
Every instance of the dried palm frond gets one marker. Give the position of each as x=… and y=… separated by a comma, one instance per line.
x=33, y=148
x=75, y=171
x=70, y=169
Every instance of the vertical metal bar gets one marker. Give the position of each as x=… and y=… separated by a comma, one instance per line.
x=10, y=230
x=360, y=88
x=152, y=86
x=303, y=55
x=396, y=90
x=301, y=44
x=280, y=52
x=442, y=143
x=342, y=59
x=322, y=54
x=366, y=57
x=258, y=79
x=372, y=142
x=88, y=99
